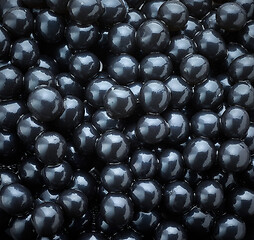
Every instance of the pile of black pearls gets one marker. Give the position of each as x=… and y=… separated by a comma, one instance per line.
x=126, y=119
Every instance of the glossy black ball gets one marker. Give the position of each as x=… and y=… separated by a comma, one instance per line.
x=211, y=45
x=178, y=126
x=123, y=68
x=198, y=221
x=5, y=43
x=199, y=154
x=155, y=66
x=174, y=14
x=152, y=129
x=171, y=165
x=68, y=85
x=146, y=194
x=241, y=200
x=7, y=177
x=209, y=195
x=47, y=218
x=154, y=96
x=37, y=76
x=242, y=68
x=144, y=164
x=116, y=178
x=84, y=66
x=234, y=156
x=62, y=55
x=48, y=63
x=206, y=124
x=18, y=21
x=81, y=37
x=192, y=27
x=24, y=53
x=73, y=202
x=179, y=47
x=84, y=138
x=114, y=11
x=116, y=209
x=152, y=36
x=170, y=230
x=150, y=9
x=178, y=197
x=57, y=177
x=9, y=144
x=15, y=199
x=84, y=12
x=50, y=148
x=45, y=103
x=134, y=18
x=96, y=90
x=181, y=91
x=229, y=227
x=249, y=139
x=235, y=122
x=246, y=35
x=119, y=102
x=194, y=68
x=122, y=39
x=231, y=16
x=241, y=94
x=113, y=146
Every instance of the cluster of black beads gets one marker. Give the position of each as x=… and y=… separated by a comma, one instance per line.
x=126, y=119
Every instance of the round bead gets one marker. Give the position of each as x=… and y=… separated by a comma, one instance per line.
x=246, y=35
x=170, y=230
x=205, y=124
x=151, y=8
x=81, y=37
x=249, y=139
x=15, y=199
x=192, y=27
x=84, y=66
x=178, y=126
x=152, y=129
x=58, y=176
x=231, y=16
x=62, y=55
x=235, y=122
x=199, y=154
x=194, y=68
x=119, y=102
x=11, y=82
x=248, y=6
x=9, y=144
x=7, y=177
x=18, y=21
x=208, y=94
x=24, y=53
x=152, y=36
x=116, y=178
x=84, y=138
x=209, y=195
x=121, y=38
x=229, y=227
x=123, y=68
x=73, y=202
x=155, y=66
x=174, y=14
x=50, y=147
x=47, y=219
x=113, y=146
x=48, y=63
x=178, y=197
x=143, y=164
x=146, y=194
x=171, y=165
x=234, y=156
x=154, y=96
x=84, y=12
x=211, y=45
x=116, y=209
x=134, y=18
x=45, y=103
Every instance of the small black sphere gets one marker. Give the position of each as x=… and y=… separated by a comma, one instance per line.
x=178, y=197
x=7, y=177
x=15, y=199
x=116, y=209
x=113, y=146
x=47, y=219
x=5, y=43
x=194, y=68
x=119, y=102
x=50, y=148
x=45, y=103
x=135, y=18
x=249, y=139
x=152, y=129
